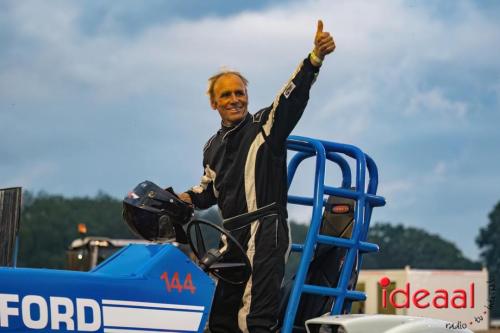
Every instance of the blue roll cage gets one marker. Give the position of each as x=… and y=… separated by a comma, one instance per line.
x=366, y=199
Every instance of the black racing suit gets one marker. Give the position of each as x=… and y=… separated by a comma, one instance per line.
x=245, y=169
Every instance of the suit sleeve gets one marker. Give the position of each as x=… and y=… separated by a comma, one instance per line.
x=202, y=195
x=289, y=104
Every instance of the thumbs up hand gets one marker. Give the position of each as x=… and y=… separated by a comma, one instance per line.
x=323, y=44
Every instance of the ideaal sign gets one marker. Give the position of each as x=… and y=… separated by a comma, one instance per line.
x=423, y=298
x=440, y=299
x=477, y=318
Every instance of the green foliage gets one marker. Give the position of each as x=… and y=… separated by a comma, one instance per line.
x=49, y=224
x=488, y=241
x=401, y=246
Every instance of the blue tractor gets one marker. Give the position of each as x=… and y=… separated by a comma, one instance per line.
x=161, y=287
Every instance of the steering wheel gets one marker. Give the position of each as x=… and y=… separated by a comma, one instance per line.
x=235, y=269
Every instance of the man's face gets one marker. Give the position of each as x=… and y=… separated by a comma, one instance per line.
x=230, y=99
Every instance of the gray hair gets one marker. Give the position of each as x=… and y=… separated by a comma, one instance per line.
x=215, y=77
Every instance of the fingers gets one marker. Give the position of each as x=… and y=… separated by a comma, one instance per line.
x=327, y=48
x=185, y=197
x=326, y=41
x=319, y=30
x=324, y=36
x=325, y=44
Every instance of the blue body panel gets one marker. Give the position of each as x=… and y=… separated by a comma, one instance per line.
x=129, y=289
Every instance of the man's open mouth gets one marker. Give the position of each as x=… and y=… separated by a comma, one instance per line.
x=236, y=110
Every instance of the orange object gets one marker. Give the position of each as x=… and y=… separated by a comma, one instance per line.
x=82, y=228
x=340, y=209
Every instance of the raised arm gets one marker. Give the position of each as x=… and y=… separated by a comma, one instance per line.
x=291, y=101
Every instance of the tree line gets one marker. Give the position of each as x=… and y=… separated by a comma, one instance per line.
x=49, y=225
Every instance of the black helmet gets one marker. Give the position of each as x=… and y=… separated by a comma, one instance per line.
x=156, y=214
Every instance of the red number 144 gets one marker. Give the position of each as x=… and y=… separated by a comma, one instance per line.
x=175, y=282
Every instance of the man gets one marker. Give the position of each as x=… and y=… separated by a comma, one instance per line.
x=245, y=174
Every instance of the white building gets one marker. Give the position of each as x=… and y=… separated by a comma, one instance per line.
x=460, y=297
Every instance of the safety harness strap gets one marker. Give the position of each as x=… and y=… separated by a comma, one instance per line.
x=240, y=221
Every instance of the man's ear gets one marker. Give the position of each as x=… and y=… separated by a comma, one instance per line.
x=213, y=104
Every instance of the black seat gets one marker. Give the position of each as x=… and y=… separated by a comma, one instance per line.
x=325, y=268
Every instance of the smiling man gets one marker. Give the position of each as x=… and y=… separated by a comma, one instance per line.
x=245, y=175
x=228, y=95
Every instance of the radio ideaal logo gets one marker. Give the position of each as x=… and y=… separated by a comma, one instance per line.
x=423, y=298
x=439, y=298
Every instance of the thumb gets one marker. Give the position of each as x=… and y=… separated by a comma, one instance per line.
x=319, y=30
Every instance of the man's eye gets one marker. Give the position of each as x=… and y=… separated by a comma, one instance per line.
x=240, y=93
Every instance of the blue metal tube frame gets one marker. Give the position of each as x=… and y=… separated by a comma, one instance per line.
x=344, y=167
x=336, y=158
x=380, y=201
x=365, y=201
x=352, y=252
x=294, y=163
x=310, y=241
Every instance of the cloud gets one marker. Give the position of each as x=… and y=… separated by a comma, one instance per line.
x=434, y=101
x=396, y=188
x=441, y=168
x=109, y=96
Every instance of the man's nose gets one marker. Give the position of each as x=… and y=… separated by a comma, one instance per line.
x=234, y=98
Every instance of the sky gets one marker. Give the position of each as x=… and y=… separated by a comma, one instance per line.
x=99, y=96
